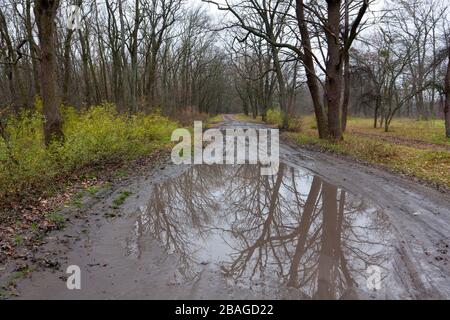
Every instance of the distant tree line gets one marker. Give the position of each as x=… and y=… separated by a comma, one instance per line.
x=350, y=58
x=332, y=57
x=141, y=55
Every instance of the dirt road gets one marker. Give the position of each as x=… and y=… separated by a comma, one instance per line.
x=322, y=227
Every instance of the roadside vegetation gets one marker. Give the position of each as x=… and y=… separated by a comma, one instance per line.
x=214, y=120
x=418, y=149
x=93, y=138
x=431, y=131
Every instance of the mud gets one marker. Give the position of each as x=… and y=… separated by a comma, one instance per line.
x=316, y=230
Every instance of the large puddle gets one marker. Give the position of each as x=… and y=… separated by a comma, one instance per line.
x=269, y=234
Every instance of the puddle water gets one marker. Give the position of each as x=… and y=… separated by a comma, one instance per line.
x=290, y=231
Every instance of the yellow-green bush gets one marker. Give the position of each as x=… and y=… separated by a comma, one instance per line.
x=275, y=117
x=98, y=135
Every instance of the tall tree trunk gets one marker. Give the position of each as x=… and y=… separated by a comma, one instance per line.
x=281, y=88
x=151, y=81
x=97, y=95
x=334, y=71
x=67, y=61
x=103, y=65
x=447, y=96
x=84, y=58
x=33, y=47
x=67, y=66
x=134, y=59
x=376, y=111
x=45, y=12
x=346, y=97
x=245, y=106
x=125, y=79
x=311, y=77
x=346, y=94
x=11, y=63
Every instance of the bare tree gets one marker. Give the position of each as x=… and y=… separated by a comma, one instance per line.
x=447, y=93
x=45, y=13
x=276, y=13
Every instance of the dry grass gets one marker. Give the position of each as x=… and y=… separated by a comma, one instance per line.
x=431, y=131
x=187, y=117
x=213, y=121
x=429, y=165
x=415, y=148
x=243, y=117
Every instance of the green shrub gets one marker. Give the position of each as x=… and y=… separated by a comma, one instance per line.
x=275, y=117
x=96, y=136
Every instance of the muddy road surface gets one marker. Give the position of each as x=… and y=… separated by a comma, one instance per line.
x=321, y=228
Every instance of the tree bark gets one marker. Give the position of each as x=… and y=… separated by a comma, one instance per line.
x=346, y=94
x=281, y=89
x=310, y=71
x=334, y=71
x=447, y=97
x=134, y=59
x=151, y=81
x=85, y=63
x=11, y=63
x=45, y=12
x=32, y=44
x=67, y=66
x=68, y=61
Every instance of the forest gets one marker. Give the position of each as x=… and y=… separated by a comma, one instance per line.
x=295, y=57
x=92, y=90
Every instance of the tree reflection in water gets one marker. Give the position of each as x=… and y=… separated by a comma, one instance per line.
x=292, y=229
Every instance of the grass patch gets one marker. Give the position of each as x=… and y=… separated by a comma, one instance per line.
x=273, y=117
x=431, y=131
x=216, y=119
x=212, y=121
x=93, y=190
x=120, y=200
x=18, y=240
x=429, y=165
x=57, y=219
x=121, y=173
x=77, y=200
x=22, y=273
x=249, y=118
